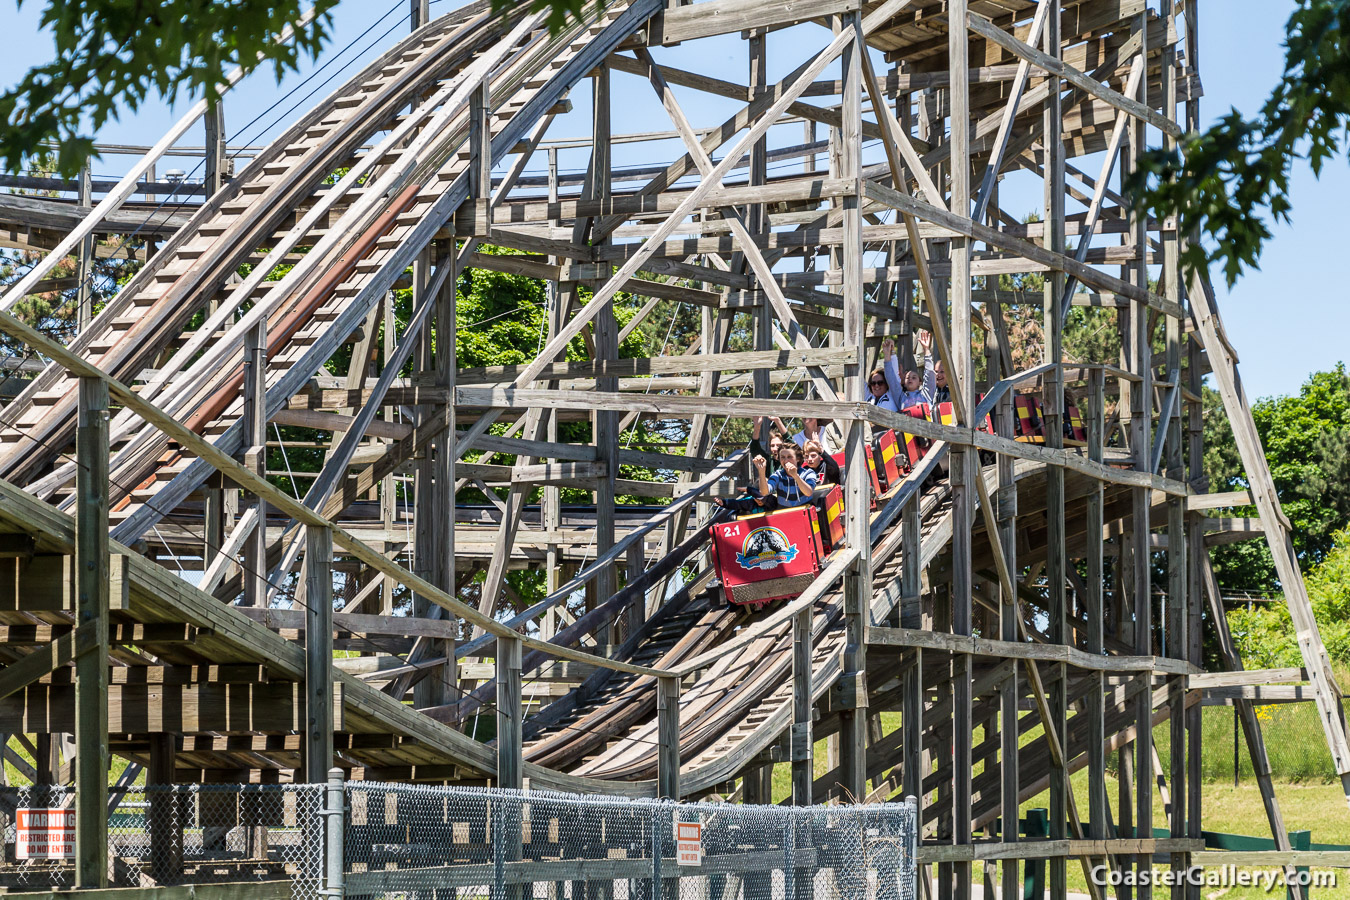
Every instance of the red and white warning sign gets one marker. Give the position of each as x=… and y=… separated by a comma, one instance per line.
x=45, y=834
x=689, y=843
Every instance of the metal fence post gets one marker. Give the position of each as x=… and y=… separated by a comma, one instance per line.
x=658, y=847
x=334, y=809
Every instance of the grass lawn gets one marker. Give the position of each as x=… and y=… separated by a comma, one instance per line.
x=1311, y=804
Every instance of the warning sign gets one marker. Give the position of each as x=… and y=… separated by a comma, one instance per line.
x=689, y=843
x=45, y=834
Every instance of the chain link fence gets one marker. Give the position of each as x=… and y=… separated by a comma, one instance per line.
x=410, y=841
x=173, y=834
x=398, y=842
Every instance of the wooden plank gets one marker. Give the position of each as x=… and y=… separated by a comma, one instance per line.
x=1245, y=677
x=219, y=674
x=1261, y=693
x=1198, y=502
x=686, y=23
x=185, y=708
x=666, y=365
x=237, y=890
x=43, y=661
x=357, y=623
x=790, y=190
x=952, y=643
x=1334, y=859
x=747, y=407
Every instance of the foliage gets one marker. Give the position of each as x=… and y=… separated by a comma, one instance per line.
x=1219, y=181
x=1264, y=633
x=115, y=54
x=54, y=312
x=1307, y=443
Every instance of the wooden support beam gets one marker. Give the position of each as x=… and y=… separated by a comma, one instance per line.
x=139, y=708
x=45, y=660
x=510, y=715
x=318, y=600
x=92, y=574
x=801, y=744
x=668, y=737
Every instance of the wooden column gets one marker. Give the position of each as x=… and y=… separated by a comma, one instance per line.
x=1008, y=694
x=389, y=501
x=84, y=259
x=606, y=348
x=215, y=494
x=1176, y=642
x=911, y=704
x=762, y=312
x=255, y=458
x=419, y=13
x=668, y=737
x=852, y=692
x=443, y=472
x=1094, y=609
x=510, y=715
x=428, y=514
x=507, y=826
x=964, y=464
x=318, y=654
x=801, y=742
x=1056, y=565
x=92, y=574
x=1141, y=364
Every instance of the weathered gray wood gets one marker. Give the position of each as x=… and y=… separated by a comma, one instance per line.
x=668, y=737
x=1050, y=64
x=800, y=742
x=1331, y=714
x=255, y=458
x=91, y=613
x=510, y=715
x=318, y=599
x=686, y=23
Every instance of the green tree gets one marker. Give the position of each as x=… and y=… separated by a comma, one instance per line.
x=53, y=311
x=116, y=54
x=113, y=55
x=1220, y=182
x=1307, y=443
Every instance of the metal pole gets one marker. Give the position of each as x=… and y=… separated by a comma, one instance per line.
x=334, y=810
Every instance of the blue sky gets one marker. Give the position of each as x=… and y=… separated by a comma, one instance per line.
x=1285, y=319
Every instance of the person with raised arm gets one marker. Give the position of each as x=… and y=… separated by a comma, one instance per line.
x=791, y=485
x=916, y=391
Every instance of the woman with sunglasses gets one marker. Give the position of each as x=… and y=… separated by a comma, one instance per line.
x=880, y=389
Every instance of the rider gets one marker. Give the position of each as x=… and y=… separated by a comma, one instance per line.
x=815, y=459
x=790, y=485
x=812, y=430
x=916, y=391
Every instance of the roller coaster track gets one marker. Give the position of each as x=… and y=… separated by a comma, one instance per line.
x=360, y=235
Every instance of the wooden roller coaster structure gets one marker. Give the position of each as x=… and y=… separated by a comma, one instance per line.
x=1002, y=598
